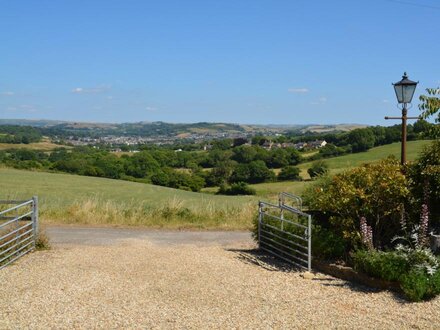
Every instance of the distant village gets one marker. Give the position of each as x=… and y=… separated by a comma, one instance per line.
x=298, y=146
x=118, y=141
x=114, y=140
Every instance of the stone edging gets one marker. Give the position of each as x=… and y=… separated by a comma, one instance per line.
x=349, y=274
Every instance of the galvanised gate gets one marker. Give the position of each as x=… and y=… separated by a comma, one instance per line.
x=18, y=229
x=285, y=231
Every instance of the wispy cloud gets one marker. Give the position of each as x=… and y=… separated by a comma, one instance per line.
x=321, y=100
x=27, y=108
x=298, y=90
x=91, y=90
x=7, y=93
x=151, y=109
x=385, y=101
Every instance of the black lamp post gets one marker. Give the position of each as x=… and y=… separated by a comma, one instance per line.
x=404, y=92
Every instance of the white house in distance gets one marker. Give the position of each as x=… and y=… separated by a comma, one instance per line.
x=268, y=145
x=316, y=144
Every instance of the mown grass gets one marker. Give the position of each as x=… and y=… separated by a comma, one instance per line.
x=72, y=199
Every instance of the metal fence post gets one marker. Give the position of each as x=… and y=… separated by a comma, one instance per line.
x=260, y=216
x=280, y=204
x=309, y=248
x=35, y=218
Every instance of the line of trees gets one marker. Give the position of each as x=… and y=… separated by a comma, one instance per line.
x=229, y=162
x=19, y=134
x=183, y=170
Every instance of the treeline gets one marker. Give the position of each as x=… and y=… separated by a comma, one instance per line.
x=19, y=134
x=228, y=163
x=183, y=170
x=363, y=139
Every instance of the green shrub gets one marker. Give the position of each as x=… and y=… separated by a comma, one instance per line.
x=414, y=285
x=239, y=188
x=418, y=285
x=386, y=265
x=414, y=269
x=326, y=244
x=289, y=173
x=375, y=191
x=318, y=168
x=424, y=175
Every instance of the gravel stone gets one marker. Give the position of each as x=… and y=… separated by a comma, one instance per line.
x=136, y=284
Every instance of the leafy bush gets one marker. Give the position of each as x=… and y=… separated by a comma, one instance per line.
x=418, y=285
x=415, y=269
x=289, y=173
x=318, y=168
x=327, y=244
x=254, y=172
x=239, y=188
x=375, y=191
x=361, y=139
x=386, y=265
x=424, y=180
x=430, y=107
x=171, y=178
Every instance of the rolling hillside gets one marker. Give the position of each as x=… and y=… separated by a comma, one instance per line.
x=88, y=200
x=340, y=163
x=374, y=154
x=76, y=199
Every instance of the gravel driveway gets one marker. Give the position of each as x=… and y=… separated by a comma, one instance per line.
x=136, y=283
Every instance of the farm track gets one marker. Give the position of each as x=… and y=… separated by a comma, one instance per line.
x=112, y=236
x=139, y=280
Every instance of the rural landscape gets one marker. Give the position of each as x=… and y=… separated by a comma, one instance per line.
x=183, y=193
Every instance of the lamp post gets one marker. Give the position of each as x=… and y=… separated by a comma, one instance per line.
x=404, y=89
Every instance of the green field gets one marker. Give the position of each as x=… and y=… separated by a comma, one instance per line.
x=44, y=145
x=337, y=164
x=79, y=199
x=88, y=200
x=352, y=160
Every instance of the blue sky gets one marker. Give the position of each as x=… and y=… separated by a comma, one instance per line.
x=283, y=62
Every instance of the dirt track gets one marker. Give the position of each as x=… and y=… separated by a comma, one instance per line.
x=110, y=236
x=135, y=283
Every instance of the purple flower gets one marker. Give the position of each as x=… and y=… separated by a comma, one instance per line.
x=366, y=233
x=423, y=227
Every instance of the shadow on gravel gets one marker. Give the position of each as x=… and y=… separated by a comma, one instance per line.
x=358, y=287
x=268, y=262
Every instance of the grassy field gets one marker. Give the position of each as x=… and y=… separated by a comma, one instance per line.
x=44, y=145
x=75, y=199
x=86, y=200
x=338, y=164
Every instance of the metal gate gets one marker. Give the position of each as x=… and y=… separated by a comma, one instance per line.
x=285, y=231
x=18, y=229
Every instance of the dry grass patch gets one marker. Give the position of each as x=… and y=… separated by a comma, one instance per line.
x=172, y=214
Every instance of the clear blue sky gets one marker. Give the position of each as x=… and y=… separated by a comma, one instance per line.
x=244, y=61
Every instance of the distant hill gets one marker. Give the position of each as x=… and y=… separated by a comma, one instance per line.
x=151, y=129
x=31, y=122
